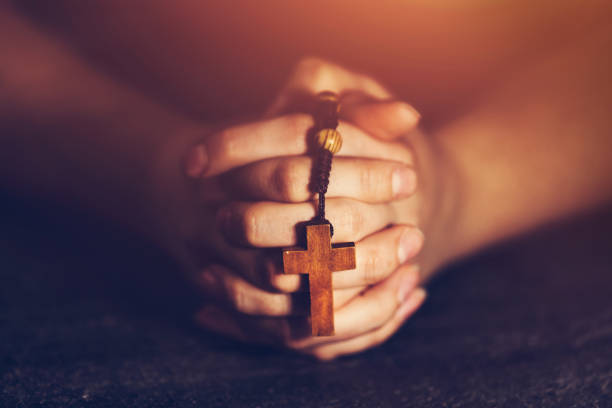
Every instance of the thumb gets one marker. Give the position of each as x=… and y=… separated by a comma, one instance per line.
x=365, y=102
x=385, y=120
x=313, y=75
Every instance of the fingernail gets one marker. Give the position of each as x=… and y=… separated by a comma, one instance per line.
x=410, y=244
x=407, y=285
x=403, y=182
x=410, y=305
x=196, y=162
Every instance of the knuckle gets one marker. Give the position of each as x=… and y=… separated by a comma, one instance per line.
x=277, y=304
x=288, y=179
x=239, y=298
x=250, y=224
x=354, y=219
x=226, y=148
x=374, y=268
x=372, y=181
x=297, y=125
x=208, y=280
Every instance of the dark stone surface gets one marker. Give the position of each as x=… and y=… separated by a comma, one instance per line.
x=91, y=319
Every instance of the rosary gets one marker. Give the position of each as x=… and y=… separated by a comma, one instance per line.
x=320, y=258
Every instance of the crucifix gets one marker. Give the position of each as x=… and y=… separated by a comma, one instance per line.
x=320, y=258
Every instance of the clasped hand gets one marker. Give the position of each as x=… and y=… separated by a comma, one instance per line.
x=250, y=182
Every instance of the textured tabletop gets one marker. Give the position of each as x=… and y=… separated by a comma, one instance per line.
x=89, y=317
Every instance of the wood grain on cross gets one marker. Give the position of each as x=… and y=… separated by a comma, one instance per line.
x=319, y=260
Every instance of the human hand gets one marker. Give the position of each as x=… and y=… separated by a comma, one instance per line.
x=360, y=186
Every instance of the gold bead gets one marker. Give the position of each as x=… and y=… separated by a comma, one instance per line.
x=330, y=140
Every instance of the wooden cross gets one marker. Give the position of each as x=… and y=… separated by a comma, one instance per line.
x=319, y=260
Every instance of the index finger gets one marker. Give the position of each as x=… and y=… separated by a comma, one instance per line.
x=314, y=75
x=283, y=136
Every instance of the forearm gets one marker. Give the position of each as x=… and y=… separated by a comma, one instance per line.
x=72, y=133
x=536, y=149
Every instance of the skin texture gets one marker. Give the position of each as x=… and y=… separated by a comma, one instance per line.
x=527, y=150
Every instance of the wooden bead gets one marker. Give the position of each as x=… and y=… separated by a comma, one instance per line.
x=330, y=140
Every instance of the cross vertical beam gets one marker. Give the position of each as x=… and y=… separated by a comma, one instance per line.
x=319, y=259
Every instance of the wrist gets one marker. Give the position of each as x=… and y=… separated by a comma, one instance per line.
x=440, y=196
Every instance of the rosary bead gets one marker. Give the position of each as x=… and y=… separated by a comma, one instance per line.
x=330, y=140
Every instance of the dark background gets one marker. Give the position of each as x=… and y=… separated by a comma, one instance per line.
x=90, y=316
